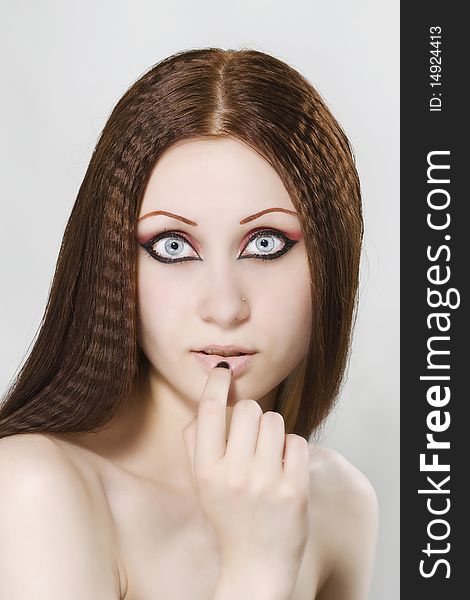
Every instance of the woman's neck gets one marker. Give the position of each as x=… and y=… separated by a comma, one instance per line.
x=145, y=438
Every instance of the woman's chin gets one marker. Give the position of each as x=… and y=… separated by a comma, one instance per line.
x=241, y=390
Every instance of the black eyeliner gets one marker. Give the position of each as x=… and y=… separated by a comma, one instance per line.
x=148, y=246
x=288, y=243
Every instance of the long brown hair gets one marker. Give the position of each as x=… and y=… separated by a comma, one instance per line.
x=86, y=359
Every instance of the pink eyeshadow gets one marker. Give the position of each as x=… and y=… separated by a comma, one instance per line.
x=294, y=235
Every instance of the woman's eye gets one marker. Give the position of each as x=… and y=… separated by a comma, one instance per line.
x=267, y=244
x=170, y=247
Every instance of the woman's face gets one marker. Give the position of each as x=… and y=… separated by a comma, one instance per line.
x=218, y=225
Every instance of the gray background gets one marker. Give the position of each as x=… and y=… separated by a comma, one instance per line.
x=65, y=65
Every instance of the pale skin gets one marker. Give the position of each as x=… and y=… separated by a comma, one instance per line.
x=195, y=491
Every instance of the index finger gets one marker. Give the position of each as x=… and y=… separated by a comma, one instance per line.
x=211, y=419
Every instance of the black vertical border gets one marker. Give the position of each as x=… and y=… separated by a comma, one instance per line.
x=421, y=132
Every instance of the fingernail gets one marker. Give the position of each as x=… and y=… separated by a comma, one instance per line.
x=223, y=364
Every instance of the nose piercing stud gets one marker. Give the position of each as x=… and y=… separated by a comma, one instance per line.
x=243, y=299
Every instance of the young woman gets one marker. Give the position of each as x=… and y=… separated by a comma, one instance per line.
x=155, y=443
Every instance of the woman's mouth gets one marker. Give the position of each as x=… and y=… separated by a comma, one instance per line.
x=239, y=363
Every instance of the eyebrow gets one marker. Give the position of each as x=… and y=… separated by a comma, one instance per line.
x=263, y=212
x=194, y=224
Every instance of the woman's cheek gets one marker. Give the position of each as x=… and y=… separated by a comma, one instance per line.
x=156, y=283
x=297, y=313
x=162, y=311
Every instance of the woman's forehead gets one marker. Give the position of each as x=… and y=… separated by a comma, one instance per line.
x=195, y=177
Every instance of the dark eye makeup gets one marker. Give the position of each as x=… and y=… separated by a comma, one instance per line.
x=176, y=240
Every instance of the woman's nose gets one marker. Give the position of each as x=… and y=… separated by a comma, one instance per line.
x=222, y=301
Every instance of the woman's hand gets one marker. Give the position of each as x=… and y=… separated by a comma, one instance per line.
x=256, y=502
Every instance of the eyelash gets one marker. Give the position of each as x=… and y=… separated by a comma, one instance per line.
x=288, y=243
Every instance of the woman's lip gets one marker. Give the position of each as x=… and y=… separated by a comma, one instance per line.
x=238, y=364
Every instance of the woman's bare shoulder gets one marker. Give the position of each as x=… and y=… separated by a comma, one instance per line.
x=344, y=511
x=39, y=458
x=49, y=521
x=337, y=480
x=32, y=459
